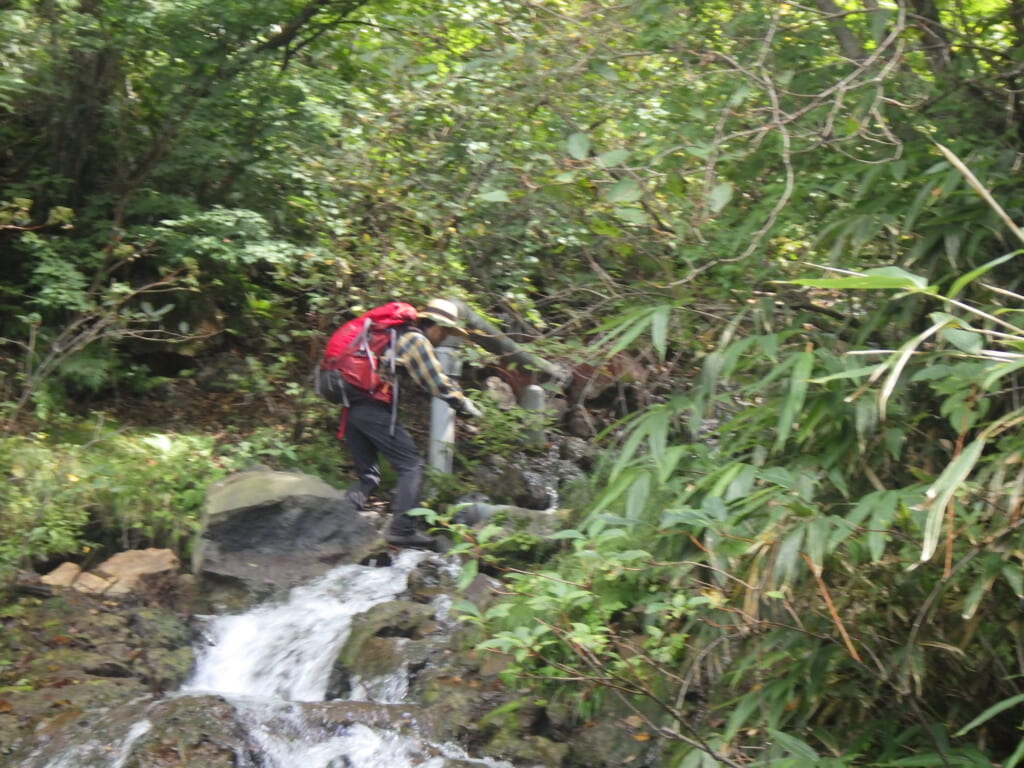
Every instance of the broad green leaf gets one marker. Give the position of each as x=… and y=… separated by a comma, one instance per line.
x=719, y=196
x=567, y=533
x=467, y=607
x=468, y=573
x=631, y=215
x=997, y=372
x=817, y=537
x=745, y=707
x=624, y=191
x=578, y=146
x=638, y=496
x=992, y=564
x=613, y=158
x=788, y=560
x=881, y=522
x=966, y=341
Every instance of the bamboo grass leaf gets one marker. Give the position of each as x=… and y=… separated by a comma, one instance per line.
x=1016, y=757
x=638, y=496
x=853, y=373
x=978, y=187
x=659, y=330
x=902, y=358
x=1014, y=578
x=795, y=397
x=991, y=712
x=792, y=744
x=942, y=491
x=982, y=586
x=997, y=372
x=883, y=278
x=962, y=281
x=816, y=543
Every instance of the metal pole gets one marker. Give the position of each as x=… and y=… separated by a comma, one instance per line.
x=533, y=400
x=442, y=416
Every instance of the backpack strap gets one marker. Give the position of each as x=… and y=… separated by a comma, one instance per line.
x=389, y=358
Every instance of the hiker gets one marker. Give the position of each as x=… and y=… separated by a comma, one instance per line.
x=371, y=429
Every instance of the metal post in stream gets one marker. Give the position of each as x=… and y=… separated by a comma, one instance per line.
x=533, y=400
x=442, y=416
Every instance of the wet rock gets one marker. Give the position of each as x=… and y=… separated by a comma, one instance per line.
x=576, y=450
x=371, y=651
x=74, y=656
x=270, y=530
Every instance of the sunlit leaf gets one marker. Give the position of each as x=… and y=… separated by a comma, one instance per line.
x=970, y=342
x=719, y=196
x=578, y=145
x=943, y=491
x=613, y=158
x=495, y=196
x=624, y=191
x=883, y=278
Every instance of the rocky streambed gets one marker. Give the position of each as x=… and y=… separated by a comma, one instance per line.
x=100, y=675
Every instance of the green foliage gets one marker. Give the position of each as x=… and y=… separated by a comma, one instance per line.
x=64, y=498
x=646, y=177
x=811, y=555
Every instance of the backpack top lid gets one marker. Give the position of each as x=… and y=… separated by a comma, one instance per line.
x=392, y=313
x=389, y=315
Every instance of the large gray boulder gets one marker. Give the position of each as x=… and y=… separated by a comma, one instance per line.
x=272, y=530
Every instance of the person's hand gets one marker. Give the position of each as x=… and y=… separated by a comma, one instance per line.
x=471, y=410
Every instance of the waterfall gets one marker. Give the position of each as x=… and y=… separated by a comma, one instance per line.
x=272, y=665
x=285, y=650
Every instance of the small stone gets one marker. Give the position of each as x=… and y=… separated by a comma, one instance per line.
x=64, y=575
x=127, y=571
x=91, y=584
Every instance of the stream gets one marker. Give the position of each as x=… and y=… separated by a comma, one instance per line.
x=272, y=666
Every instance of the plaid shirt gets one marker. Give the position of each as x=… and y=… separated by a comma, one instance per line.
x=416, y=355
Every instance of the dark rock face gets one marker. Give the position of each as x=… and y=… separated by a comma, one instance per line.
x=75, y=654
x=271, y=530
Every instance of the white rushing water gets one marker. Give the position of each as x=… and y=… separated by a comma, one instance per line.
x=281, y=653
x=285, y=650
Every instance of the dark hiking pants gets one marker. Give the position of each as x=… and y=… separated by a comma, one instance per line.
x=367, y=437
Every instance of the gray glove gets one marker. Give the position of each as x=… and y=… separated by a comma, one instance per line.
x=471, y=410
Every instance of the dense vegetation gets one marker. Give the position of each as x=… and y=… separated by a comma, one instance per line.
x=803, y=547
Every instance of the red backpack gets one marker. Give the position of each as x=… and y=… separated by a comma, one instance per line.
x=355, y=352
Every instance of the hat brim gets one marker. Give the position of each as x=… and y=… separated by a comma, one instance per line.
x=444, y=322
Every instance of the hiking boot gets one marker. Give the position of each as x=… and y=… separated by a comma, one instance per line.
x=356, y=498
x=415, y=540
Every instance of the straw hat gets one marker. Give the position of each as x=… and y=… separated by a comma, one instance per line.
x=445, y=313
